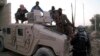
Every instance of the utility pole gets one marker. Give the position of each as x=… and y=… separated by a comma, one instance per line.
x=83, y=15
x=95, y=24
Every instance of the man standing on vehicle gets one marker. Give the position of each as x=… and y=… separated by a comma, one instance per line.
x=63, y=24
x=36, y=7
x=52, y=12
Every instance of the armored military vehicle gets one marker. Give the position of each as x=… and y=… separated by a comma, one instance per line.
x=37, y=38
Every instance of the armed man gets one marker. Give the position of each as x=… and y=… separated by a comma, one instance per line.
x=81, y=43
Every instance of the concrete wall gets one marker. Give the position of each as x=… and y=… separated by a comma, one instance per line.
x=5, y=13
x=95, y=47
x=3, y=2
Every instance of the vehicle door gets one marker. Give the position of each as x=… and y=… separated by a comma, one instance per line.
x=24, y=38
x=10, y=36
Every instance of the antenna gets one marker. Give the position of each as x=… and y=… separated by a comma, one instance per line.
x=75, y=11
x=73, y=19
x=72, y=14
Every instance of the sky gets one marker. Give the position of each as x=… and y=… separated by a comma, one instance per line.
x=91, y=7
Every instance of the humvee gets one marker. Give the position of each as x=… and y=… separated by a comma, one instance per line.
x=38, y=37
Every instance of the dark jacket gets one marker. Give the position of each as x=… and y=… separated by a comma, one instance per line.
x=20, y=14
x=81, y=44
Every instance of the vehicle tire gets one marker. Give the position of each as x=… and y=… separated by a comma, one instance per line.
x=44, y=52
x=1, y=44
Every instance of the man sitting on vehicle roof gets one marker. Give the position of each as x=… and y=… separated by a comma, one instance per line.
x=20, y=14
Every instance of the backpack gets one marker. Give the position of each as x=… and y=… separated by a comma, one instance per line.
x=81, y=40
x=82, y=36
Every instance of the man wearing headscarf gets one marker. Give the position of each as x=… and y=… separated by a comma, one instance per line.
x=20, y=14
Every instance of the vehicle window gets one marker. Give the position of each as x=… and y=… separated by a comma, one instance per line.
x=20, y=32
x=0, y=29
x=4, y=30
x=8, y=31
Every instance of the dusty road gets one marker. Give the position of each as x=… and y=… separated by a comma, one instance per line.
x=9, y=53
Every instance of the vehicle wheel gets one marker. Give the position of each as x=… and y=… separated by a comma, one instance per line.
x=44, y=52
x=1, y=45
